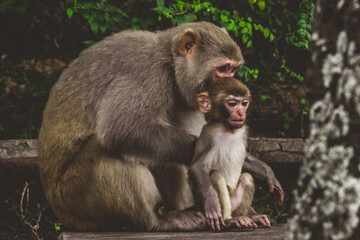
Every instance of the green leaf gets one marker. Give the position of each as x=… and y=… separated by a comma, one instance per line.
x=103, y=28
x=185, y=18
x=278, y=22
x=134, y=20
x=251, y=2
x=308, y=35
x=224, y=19
x=244, y=30
x=94, y=27
x=301, y=23
x=107, y=17
x=230, y=26
x=249, y=26
x=245, y=38
x=160, y=3
x=249, y=44
x=70, y=12
x=88, y=43
x=261, y=4
x=242, y=24
x=272, y=37
x=266, y=33
x=301, y=32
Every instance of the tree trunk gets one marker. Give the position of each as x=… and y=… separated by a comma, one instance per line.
x=327, y=201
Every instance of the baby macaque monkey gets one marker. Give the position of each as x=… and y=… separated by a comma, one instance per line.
x=223, y=191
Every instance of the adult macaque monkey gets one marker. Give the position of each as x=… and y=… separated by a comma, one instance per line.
x=220, y=152
x=120, y=125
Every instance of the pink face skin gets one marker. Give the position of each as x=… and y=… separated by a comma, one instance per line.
x=237, y=107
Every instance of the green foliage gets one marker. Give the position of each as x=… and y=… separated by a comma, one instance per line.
x=287, y=120
x=100, y=14
x=274, y=37
x=264, y=26
x=11, y=5
x=265, y=204
x=271, y=30
x=305, y=102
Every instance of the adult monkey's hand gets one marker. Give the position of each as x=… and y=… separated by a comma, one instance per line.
x=261, y=170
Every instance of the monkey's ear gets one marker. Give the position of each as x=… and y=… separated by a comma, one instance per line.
x=187, y=42
x=203, y=101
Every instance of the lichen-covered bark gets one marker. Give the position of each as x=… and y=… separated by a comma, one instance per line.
x=327, y=201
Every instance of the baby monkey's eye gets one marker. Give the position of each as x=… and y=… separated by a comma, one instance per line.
x=244, y=103
x=232, y=104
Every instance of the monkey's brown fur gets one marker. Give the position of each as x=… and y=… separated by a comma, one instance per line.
x=114, y=121
x=220, y=155
x=121, y=123
x=218, y=91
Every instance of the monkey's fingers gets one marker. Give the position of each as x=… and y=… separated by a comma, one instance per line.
x=275, y=187
x=222, y=222
x=279, y=195
x=218, y=220
x=271, y=187
x=240, y=223
x=265, y=222
x=263, y=219
x=210, y=221
x=247, y=222
x=213, y=221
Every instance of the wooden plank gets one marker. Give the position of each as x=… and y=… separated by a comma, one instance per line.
x=276, y=232
x=18, y=153
x=284, y=151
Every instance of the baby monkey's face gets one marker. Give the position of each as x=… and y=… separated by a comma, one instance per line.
x=236, y=108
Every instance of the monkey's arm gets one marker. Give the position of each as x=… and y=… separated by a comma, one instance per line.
x=261, y=170
x=199, y=172
x=154, y=141
x=205, y=193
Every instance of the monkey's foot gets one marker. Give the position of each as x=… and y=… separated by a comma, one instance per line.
x=240, y=222
x=182, y=221
x=262, y=219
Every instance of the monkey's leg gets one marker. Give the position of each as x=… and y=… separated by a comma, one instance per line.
x=241, y=200
x=105, y=193
x=96, y=191
x=137, y=197
x=243, y=195
x=173, y=184
x=218, y=181
x=244, y=213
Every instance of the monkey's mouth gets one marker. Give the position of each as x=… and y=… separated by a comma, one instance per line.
x=236, y=123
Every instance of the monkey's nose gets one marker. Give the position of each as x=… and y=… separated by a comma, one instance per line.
x=226, y=69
